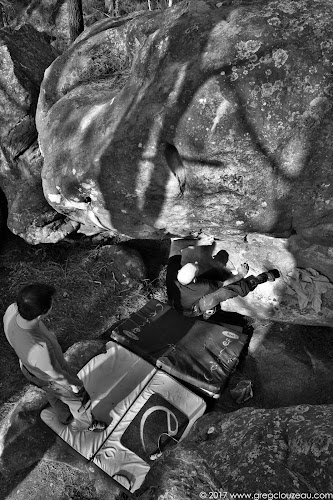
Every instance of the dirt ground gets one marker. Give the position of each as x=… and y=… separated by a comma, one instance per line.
x=287, y=364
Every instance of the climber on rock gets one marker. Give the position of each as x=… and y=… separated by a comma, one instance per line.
x=194, y=295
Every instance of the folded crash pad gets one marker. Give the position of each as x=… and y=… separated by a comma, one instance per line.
x=197, y=352
x=146, y=410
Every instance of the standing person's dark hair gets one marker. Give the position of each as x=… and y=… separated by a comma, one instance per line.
x=34, y=300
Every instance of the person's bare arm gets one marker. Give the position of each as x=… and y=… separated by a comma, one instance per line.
x=40, y=357
x=65, y=379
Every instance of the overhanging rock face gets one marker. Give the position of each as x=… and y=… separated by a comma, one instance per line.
x=195, y=117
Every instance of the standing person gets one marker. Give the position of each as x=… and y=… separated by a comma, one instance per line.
x=194, y=296
x=41, y=359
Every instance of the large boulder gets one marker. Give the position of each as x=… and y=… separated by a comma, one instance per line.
x=24, y=56
x=197, y=116
x=248, y=451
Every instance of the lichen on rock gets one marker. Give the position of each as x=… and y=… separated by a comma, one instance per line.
x=228, y=88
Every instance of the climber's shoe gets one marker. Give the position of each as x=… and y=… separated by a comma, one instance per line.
x=271, y=275
x=254, y=281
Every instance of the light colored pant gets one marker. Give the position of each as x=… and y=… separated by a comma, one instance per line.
x=207, y=302
x=64, y=401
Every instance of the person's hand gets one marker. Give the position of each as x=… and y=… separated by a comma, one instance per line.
x=76, y=388
x=207, y=314
x=243, y=269
x=82, y=391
